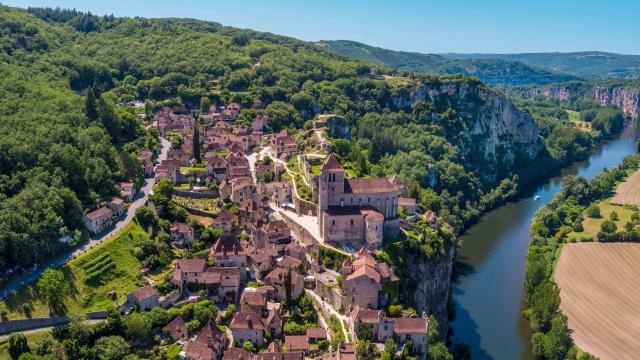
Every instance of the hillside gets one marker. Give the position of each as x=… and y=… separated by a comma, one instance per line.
x=491, y=71
x=587, y=64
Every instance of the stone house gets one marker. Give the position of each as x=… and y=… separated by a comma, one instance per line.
x=364, y=281
x=315, y=334
x=278, y=279
x=182, y=234
x=179, y=155
x=432, y=219
x=261, y=261
x=275, y=233
x=242, y=190
x=229, y=252
x=281, y=193
x=297, y=343
x=216, y=167
x=414, y=329
x=408, y=205
x=188, y=271
x=253, y=301
x=401, y=329
x=178, y=329
x=237, y=354
x=210, y=344
x=248, y=326
x=226, y=221
x=117, y=207
x=259, y=122
x=146, y=160
x=99, y=220
x=283, y=145
x=145, y=298
x=222, y=283
x=127, y=190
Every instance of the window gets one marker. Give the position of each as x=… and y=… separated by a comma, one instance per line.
x=333, y=222
x=351, y=222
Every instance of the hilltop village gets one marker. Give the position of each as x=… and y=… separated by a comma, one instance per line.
x=277, y=256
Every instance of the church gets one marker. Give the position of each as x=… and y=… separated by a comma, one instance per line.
x=358, y=212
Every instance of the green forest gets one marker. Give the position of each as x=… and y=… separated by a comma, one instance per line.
x=66, y=143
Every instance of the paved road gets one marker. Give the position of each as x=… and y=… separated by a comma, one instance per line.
x=140, y=199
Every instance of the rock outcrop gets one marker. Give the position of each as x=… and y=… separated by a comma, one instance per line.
x=495, y=135
x=626, y=98
x=560, y=93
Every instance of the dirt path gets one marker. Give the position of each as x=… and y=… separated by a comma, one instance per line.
x=600, y=291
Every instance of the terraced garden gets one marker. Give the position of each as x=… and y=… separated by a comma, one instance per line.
x=93, y=276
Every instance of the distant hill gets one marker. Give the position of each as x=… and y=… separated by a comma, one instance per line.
x=589, y=64
x=491, y=71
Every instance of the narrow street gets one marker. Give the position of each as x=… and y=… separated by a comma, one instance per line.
x=141, y=198
x=328, y=308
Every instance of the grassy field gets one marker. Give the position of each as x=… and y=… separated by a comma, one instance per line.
x=592, y=226
x=206, y=205
x=574, y=116
x=31, y=338
x=599, y=289
x=120, y=275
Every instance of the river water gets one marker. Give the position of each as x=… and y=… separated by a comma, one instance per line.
x=491, y=262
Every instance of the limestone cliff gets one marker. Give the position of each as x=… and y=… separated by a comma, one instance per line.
x=495, y=137
x=626, y=98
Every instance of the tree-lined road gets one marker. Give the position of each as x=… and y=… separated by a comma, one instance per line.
x=141, y=198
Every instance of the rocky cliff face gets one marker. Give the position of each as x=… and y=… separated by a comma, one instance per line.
x=433, y=279
x=627, y=99
x=495, y=136
x=560, y=93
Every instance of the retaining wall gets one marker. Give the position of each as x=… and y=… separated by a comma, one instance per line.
x=10, y=326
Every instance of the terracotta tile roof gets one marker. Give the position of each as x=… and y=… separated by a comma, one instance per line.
x=145, y=292
x=216, y=275
x=364, y=186
x=366, y=316
x=225, y=216
x=237, y=354
x=403, y=201
x=253, y=298
x=191, y=265
x=228, y=245
x=117, y=201
x=198, y=351
x=332, y=164
x=275, y=226
x=289, y=262
x=181, y=228
x=210, y=330
x=246, y=320
x=296, y=342
x=216, y=162
x=279, y=356
x=410, y=325
x=103, y=211
x=178, y=328
x=316, y=333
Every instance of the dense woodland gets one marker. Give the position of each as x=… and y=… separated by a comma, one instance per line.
x=65, y=144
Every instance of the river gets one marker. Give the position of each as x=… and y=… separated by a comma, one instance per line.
x=489, y=288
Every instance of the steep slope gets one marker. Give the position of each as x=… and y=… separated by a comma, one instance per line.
x=589, y=64
x=492, y=71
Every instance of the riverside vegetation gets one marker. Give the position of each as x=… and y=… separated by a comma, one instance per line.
x=553, y=226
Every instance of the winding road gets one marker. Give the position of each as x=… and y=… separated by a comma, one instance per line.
x=140, y=199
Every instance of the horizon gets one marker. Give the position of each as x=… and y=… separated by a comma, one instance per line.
x=492, y=27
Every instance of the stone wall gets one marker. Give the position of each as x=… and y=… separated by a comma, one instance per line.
x=304, y=207
x=301, y=233
x=196, y=194
x=10, y=326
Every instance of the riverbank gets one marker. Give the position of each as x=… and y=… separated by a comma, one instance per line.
x=555, y=225
x=489, y=281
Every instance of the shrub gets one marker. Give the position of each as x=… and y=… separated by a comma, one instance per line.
x=593, y=211
x=613, y=216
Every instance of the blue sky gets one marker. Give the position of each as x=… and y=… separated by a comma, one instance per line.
x=423, y=26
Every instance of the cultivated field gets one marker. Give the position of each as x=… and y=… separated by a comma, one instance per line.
x=600, y=287
x=628, y=193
